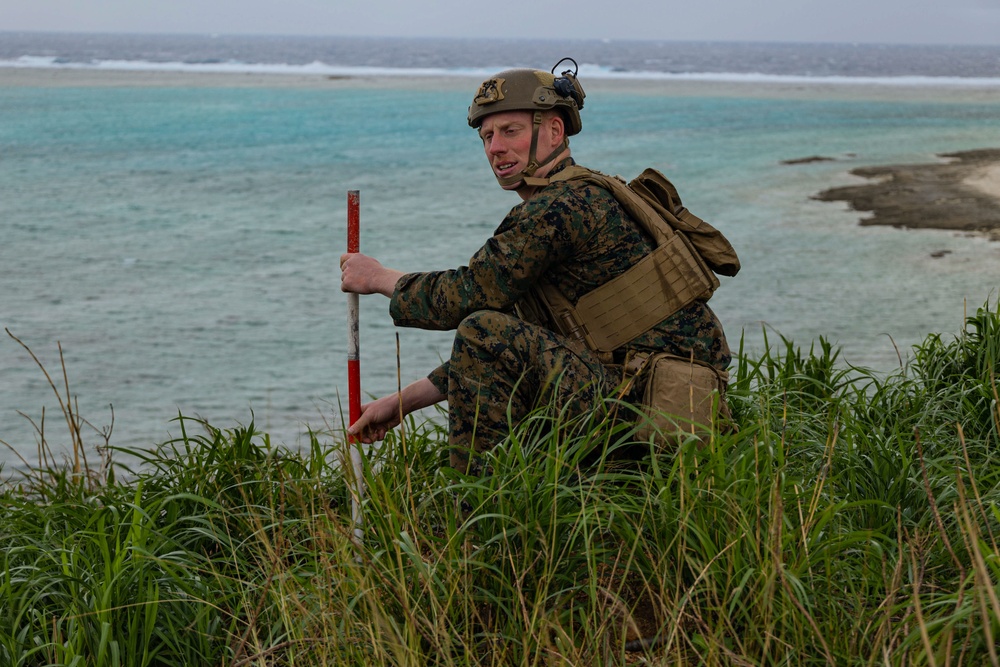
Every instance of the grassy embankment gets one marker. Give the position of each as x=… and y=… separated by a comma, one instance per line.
x=852, y=520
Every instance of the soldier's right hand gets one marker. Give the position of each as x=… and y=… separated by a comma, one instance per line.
x=361, y=274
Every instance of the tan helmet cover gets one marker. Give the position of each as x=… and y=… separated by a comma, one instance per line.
x=529, y=90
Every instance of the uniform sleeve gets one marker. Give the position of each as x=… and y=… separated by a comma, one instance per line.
x=439, y=378
x=536, y=234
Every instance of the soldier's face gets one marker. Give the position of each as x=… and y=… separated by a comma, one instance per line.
x=506, y=139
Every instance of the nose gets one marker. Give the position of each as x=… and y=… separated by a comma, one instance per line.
x=495, y=145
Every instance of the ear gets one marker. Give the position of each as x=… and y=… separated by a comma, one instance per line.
x=557, y=127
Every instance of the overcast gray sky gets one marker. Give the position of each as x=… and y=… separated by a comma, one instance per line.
x=886, y=21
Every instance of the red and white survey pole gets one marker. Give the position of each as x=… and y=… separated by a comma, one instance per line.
x=354, y=365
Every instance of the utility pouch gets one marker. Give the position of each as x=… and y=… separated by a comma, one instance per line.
x=682, y=398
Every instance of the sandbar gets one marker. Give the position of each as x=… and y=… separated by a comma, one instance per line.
x=960, y=193
x=187, y=78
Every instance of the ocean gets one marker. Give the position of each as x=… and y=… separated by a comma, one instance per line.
x=179, y=237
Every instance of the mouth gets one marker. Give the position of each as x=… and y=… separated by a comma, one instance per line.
x=505, y=168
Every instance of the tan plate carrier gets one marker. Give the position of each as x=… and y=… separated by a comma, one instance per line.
x=678, y=271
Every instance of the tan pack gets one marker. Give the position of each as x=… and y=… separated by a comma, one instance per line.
x=713, y=247
x=682, y=398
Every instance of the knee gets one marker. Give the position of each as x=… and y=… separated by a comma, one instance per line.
x=485, y=337
x=483, y=325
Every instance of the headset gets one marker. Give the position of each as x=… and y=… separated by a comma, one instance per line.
x=566, y=85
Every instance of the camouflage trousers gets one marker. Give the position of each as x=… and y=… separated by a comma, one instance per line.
x=502, y=368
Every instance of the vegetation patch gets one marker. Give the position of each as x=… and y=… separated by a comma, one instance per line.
x=852, y=519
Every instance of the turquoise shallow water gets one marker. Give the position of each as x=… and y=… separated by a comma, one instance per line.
x=181, y=243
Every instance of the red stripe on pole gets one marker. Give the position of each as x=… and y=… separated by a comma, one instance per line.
x=353, y=352
x=354, y=389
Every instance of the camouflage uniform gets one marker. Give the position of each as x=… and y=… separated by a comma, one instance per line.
x=575, y=236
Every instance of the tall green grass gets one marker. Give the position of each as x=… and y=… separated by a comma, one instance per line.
x=851, y=520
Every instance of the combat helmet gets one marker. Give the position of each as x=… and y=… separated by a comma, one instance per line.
x=531, y=90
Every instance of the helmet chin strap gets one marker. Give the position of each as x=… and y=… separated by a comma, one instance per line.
x=525, y=177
